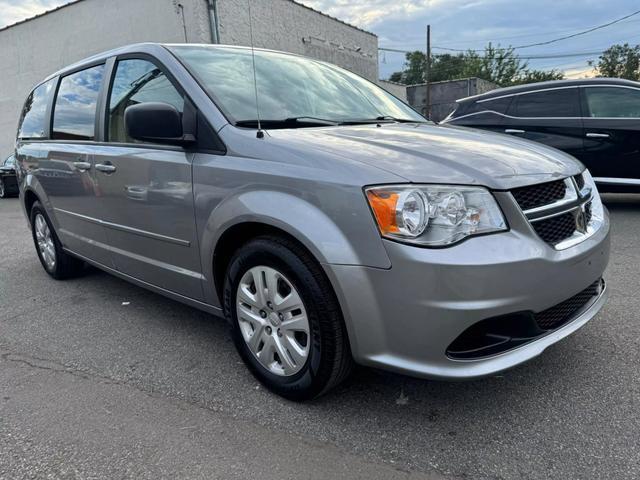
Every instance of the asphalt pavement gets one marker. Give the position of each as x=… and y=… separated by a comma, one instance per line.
x=103, y=379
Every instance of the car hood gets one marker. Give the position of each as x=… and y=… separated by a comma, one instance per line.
x=426, y=153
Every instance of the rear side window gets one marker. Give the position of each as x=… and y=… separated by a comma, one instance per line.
x=564, y=102
x=75, y=108
x=32, y=120
x=498, y=105
x=613, y=102
x=138, y=81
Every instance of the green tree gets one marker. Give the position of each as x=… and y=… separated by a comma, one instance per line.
x=620, y=61
x=533, y=76
x=414, y=69
x=496, y=64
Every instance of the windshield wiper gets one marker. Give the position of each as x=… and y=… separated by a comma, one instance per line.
x=380, y=119
x=291, y=122
x=399, y=120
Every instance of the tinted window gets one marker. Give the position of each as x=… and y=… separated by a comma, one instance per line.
x=137, y=81
x=499, y=105
x=613, y=102
x=10, y=162
x=288, y=86
x=32, y=121
x=75, y=108
x=563, y=102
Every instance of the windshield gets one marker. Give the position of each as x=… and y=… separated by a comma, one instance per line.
x=289, y=87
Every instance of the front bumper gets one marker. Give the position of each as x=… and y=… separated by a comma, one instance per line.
x=403, y=319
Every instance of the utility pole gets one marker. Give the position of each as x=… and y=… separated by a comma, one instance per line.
x=428, y=73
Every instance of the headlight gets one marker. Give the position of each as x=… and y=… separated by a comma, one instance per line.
x=597, y=210
x=434, y=215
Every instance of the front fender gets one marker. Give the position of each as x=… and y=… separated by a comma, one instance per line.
x=325, y=237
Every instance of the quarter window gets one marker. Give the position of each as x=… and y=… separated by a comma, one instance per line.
x=563, y=102
x=32, y=120
x=613, y=102
x=138, y=81
x=75, y=109
x=499, y=105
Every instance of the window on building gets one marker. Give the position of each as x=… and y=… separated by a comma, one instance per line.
x=75, y=107
x=32, y=120
x=613, y=102
x=563, y=102
x=138, y=81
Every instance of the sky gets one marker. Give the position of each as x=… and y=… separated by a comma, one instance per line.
x=462, y=24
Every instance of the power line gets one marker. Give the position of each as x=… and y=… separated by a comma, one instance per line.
x=527, y=57
x=584, y=32
x=526, y=35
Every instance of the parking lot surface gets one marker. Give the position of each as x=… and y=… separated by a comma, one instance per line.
x=102, y=379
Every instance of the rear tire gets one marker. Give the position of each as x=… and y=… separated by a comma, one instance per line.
x=299, y=369
x=56, y=262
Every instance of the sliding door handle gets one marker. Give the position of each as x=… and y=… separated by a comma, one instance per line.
x=82, y=166
x=598, y=135
x=105, y=167
x=514, y=130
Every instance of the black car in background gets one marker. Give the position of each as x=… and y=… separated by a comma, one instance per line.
x=595, y=120
x=8, y=183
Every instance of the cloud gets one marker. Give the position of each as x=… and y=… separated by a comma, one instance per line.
x=12, y=11
x=471, y=24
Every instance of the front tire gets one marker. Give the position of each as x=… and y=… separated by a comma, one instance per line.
x=3, y=191
x=56, y=262
x=286, y=321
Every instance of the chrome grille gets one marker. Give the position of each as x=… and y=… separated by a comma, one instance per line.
x=556, y=229
x=539, y=195
x=558, y=211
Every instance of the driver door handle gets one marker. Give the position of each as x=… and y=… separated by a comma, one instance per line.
x=598, y=135
x=514, y=130
x=105, y=167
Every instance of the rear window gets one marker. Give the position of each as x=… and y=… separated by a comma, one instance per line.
x=562, y=102
x=32, y=121
x=75, y=108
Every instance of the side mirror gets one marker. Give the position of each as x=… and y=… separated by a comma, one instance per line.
x=157, y=123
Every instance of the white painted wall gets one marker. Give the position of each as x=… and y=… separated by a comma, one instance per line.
x=32, y=50
x=291, y=27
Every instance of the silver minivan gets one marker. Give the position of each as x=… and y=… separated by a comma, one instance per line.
x=323, y=217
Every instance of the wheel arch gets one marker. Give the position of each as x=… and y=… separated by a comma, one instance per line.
x=238, y=235
x=30, y=197
x=249, y=214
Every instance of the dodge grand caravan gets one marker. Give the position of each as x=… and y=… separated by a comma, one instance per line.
x=326, y=220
